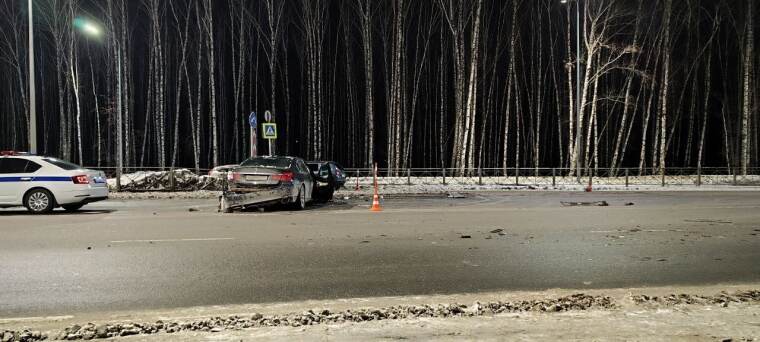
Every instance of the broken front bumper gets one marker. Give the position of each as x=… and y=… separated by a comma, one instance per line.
x=242, y=198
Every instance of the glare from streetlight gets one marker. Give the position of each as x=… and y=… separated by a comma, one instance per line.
x=87, y=27
x=91, y=29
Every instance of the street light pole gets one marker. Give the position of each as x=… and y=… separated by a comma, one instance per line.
x=579, y=129
x=32, y=94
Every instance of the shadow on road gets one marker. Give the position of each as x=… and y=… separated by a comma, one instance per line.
x=332, y=205
x=59, y=212
x=314, y=206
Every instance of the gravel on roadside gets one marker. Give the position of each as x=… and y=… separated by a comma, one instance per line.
x=572, y=303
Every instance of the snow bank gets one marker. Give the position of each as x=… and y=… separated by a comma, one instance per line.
x=558, y=181
x=186, y=180
x=182, y=179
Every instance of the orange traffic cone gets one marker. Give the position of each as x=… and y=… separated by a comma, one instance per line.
x=376, y=198
x=376, y=203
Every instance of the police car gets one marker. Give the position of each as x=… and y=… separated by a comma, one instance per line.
x=42, y=184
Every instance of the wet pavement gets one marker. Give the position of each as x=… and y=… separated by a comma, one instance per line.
x=152, y=254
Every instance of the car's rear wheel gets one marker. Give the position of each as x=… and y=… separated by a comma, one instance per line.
x=72, y=207
x=300, y=202
x=39, y=201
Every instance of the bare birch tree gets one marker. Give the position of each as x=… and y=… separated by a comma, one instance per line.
x=748, y=71
x=663, y=125
x=208, y=29
x=365, y=11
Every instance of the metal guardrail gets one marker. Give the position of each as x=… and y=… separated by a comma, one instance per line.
x=168, y=179
x=556, y=177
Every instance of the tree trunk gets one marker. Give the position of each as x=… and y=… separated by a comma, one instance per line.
x=208, y=20
x=747, y=88
x=665, y=87
x=617, y=156
x=365, y=14
x=510, y=83
x=74, y=70
x=705, y=108
x=467, y=163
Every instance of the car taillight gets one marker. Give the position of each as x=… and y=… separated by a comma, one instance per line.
x=283, y=177
x=233, y=176
x=80, y=180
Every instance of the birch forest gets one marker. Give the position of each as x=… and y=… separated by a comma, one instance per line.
x=460, y=84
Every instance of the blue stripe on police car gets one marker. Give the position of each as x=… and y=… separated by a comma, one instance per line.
x=34, y=179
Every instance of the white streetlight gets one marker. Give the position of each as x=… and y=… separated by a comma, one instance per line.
x=91, y=29
x=32, y=94
x=88, y=27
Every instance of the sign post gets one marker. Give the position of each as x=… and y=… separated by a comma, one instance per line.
x=270, y=132
x=254, y=139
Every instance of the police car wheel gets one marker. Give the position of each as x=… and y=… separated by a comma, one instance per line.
x=72, y=207
x=39, y=201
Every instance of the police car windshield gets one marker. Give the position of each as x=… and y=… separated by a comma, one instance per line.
x=62, y=164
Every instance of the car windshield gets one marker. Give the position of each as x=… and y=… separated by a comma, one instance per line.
x=62, y=164
x=267, y=162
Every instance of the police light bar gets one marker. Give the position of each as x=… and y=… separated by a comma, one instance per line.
x=10, y=153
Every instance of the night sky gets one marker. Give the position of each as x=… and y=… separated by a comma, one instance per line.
x=459, y=84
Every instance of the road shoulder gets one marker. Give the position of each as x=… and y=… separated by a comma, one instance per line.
x=713, y=312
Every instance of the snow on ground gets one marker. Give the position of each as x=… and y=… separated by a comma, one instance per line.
x=182, y=179
x=736, y=323
x=690, y=313
x=429, y=189
x=718, y=180
x=446, y=189
x=199, y=194
x=428, y=185
x=187, y=185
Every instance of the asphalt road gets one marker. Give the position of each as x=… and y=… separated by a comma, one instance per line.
x=152, y=254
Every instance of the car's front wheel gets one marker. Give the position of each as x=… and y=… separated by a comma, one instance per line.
x=72, y=207
x=39, y=201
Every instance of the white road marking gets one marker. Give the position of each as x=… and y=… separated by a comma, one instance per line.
x=641, y=230
x=34, y=319
x=173, y=240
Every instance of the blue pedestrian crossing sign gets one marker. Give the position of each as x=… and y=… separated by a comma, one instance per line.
x=269, y=131
x=252, y=119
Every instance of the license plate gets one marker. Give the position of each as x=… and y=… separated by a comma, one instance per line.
x=256, y=178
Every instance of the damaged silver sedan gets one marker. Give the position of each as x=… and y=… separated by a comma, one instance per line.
x=263, y=181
